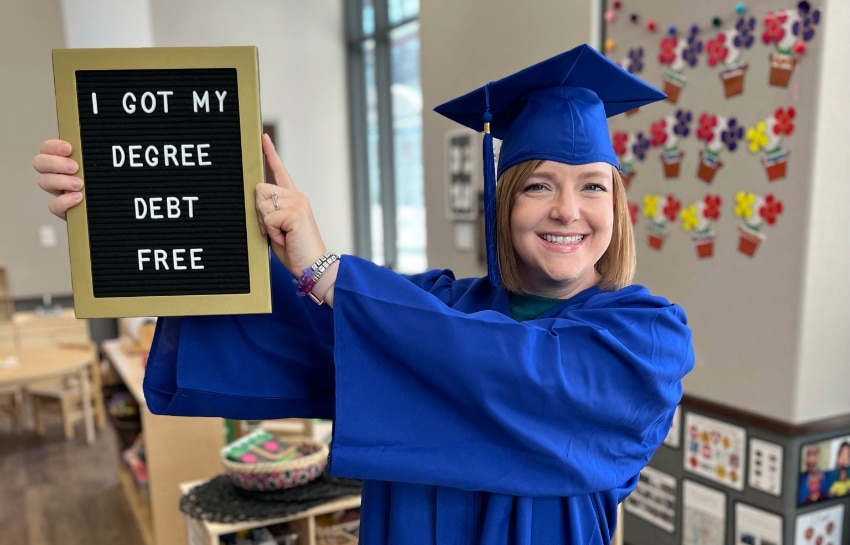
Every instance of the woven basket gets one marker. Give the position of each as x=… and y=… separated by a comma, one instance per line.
x=266, y=476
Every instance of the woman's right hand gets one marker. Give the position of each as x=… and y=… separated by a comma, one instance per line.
x=56, y=175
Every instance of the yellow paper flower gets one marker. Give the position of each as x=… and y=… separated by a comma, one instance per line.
x=650, y=205
x=690, y=217
x=757, y=137
x=744, y=204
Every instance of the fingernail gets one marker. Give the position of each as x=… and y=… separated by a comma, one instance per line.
x=76, y=184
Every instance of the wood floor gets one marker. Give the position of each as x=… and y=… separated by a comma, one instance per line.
x=54, y=491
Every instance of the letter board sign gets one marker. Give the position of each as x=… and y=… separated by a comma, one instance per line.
x=168, y=143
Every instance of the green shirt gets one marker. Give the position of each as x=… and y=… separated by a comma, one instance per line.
x=527, y=307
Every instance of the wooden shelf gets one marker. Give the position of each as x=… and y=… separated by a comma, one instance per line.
x=304, y=523
x=139, y=503
x=177, y=449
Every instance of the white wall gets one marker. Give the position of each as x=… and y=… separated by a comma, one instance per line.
x=29, y=30
x=823, y=373
x=106, y=23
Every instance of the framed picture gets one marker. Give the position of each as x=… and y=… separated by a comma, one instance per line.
x=824, y=468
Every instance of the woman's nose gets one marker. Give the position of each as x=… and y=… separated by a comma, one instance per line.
x=565, y=207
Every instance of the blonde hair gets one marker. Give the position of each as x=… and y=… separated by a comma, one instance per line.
x=617, y=264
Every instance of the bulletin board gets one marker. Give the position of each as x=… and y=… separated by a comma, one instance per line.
x=168, y=143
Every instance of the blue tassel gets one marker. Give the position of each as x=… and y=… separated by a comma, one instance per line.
x=490, y=197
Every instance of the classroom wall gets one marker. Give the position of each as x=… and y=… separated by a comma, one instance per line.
x=28, y=31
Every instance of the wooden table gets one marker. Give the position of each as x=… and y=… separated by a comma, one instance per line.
x=37, y=364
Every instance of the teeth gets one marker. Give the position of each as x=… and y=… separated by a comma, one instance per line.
x=563, y=240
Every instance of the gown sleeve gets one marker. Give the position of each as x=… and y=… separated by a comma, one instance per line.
x=248, y=367
x=559, y=406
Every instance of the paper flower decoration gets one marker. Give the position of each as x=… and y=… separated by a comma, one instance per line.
x=677, y=54
x=767, y=137
x=755, y=213
x=718, y=133
x=667, y=133
x=698, y=219
x=659, y=211
x=788, y=30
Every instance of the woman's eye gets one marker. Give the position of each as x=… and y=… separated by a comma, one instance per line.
x=535, y=187
x=595, y=187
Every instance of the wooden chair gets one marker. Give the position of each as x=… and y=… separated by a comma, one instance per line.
x=12, y=404
x=62, y=397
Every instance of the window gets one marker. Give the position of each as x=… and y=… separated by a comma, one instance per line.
x=386, y=108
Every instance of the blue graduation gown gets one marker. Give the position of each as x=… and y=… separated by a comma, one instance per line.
x=466, y=426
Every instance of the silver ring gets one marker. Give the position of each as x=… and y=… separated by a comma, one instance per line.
x=274, y=201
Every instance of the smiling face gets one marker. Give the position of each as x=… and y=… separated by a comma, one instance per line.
x=561, y=224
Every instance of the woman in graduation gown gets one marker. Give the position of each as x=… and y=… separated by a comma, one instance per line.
x=518, y=408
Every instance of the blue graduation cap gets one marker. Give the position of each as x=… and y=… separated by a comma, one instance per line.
x=554, y=110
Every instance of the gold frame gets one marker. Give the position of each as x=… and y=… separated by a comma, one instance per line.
x=245, y=59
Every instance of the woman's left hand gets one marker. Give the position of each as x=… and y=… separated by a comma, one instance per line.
x=286, y=217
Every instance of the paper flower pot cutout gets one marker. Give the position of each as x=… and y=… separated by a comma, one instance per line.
x=656, y=240
x=672, y=161
x=704, y=246
x=781, y=68
x=708, y=166
x=733, y=81
x=749, y=240
x=673, y=84
x=776, y=165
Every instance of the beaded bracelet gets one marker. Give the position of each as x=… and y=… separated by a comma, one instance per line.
x=304, y=286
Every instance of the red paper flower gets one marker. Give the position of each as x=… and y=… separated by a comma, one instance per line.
x=712, y=207
x=620, y=139
x=773, y=31
x=784, y=121
x=671, y=208
x=668, y=50
x=770, y=209
x=659, y=132
x=717, y=50
x=633, y=212
x=707, y=124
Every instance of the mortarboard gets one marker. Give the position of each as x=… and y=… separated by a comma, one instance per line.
x=554, y=110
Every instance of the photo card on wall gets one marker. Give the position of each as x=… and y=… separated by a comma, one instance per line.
x=169, y=146
x=715, y=450
x=824, y=470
